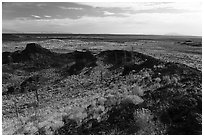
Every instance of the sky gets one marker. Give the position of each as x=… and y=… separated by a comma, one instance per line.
x=159, y=18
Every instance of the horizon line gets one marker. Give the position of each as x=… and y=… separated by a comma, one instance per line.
x=98, y=33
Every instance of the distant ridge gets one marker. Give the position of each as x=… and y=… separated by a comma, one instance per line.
x=102, y=34
x=174, y=34
x=9, y=31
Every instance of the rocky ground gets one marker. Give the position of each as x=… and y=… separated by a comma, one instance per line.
x=99, y=90
x=164, y=50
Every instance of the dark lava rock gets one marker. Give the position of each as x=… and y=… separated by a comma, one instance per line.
x=115, y=56
x=137, y=67
x=128, y=60
x=29, y=83
x=10, y=90
x=32, y=51
x=82, y=59
x=6, y=57
x=36, y=57
x=35, y=48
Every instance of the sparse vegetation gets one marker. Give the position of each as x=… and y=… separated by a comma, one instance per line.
x=109, y=92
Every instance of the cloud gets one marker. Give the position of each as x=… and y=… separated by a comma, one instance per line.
x=108, y=13
x=157, y=3
x=36, y=16
x=41, y=5
x=70, y=8
x=65, y=10
x=13, y=10
x=184, y=23
x=162, y=10
x=46, y=16
x=24, y=18
x=158, y=18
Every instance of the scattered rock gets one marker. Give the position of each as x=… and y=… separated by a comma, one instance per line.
x=30, y=83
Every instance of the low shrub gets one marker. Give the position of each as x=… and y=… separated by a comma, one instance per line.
x=113, y=114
